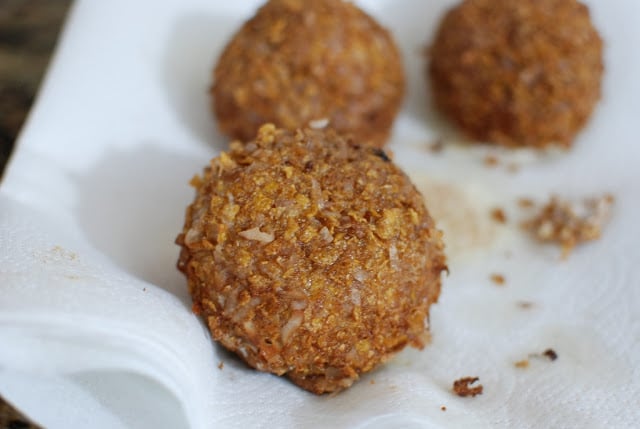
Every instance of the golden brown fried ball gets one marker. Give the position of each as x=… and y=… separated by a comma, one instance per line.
x=311, y=256
x=299, y=61
x=517, y=73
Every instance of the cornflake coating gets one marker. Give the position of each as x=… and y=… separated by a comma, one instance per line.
x=517, y=73
x=314, y=63
x=311, y=256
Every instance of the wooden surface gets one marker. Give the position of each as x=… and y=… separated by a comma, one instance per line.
x=10, y=418
x=28, y=34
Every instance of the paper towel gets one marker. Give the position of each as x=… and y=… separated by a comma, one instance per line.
x=95, y=322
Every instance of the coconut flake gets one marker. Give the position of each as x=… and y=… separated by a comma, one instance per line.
x=221, y=300
x=192, y=236
x=243, y=351
x=257, y=235
x=355, y=297
x=292, y=324
x=249, y=327
x=326, y=235
x=318, y=124
x=393, y=256
x=360, y=275
x=298, y=305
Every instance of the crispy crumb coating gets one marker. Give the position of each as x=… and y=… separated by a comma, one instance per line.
x=299, y=61
x=517, y=73
x=311, y=256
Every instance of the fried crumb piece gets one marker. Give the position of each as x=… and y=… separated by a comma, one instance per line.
x=568, y=224
x=498, y=215
x=513, y=167
x=443, y=408
x=551, y=354
x=196, y=181
x=525, y=203
x=491, y=161
x=437, y=146
x=220, y=365
x=498, y=279
x=525, y=305
x=373, y=381
x=462, y=387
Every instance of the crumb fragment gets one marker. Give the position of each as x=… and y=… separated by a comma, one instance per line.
x=373, y=381
x=498, y=279
x=569, y=224
x=220, y=365
x=443, y=408
x=548, y=353
x=525, y=305
x=513, y=167
x=525, y=203
x=491, y=161
x=462, y=387
x=498, y=215
x=196, y=181
x=437, y=146
x=551, y=354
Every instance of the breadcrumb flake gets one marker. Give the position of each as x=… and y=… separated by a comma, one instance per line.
x=568, y=224
x=462, y=387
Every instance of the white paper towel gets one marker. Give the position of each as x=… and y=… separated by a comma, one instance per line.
x=95, y=322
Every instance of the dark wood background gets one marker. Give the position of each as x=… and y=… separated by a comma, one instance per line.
x=28, y=33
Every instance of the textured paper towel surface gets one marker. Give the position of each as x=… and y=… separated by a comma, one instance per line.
x=95, y=322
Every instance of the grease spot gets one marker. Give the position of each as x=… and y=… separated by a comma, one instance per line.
x=460, y=211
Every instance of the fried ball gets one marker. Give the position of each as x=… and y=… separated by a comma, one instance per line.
x=299, y=61
x=517, y=73
x=311, y=256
